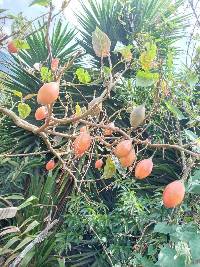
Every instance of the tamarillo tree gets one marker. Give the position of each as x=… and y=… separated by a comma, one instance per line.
x=73, y=116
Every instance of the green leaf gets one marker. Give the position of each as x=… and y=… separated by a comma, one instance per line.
x=83, y=75
x=194, y=183
x=195, y=247
x=125, y=51
x=192, y=78
x=109, y=169
x=164, y=228
x=18, y=93
x=31, y=226
x=28, y=202
x=24, y=110
x=145, y=78
x=176, y=112
x=2, y=10
x=46, y=74
x=40, y=2
x=101, y=43
x=167, y=257
x=21, y=44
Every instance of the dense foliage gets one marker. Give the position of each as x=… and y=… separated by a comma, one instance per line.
x=70, y=194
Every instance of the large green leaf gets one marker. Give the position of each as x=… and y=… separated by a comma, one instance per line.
x=195, y=247
x=167, y=257
x=176, y=111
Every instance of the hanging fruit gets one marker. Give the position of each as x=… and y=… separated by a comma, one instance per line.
x=50, y=165
x=128, y=160
x=12, y=47
x=99, y=164
x=144, y=168
x=41, y=113
x=137, y=116
x=82, y=143
x=123, y=148
x=48, y=93
x=55, y=64
x=173, y=194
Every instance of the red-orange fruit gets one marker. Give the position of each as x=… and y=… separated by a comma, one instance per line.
x=123, y=148
x=99, y=164
x=48, y=93
x=50, y=165
x=128, y=160
x=173, y=194
x=108, y=132
x=54, y=64
x=82, y=144
x=41, y=113
x=12, y=48
x=144, y=168
x=83, y=129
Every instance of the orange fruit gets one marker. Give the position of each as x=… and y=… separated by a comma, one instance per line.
x=123, y=148
x=41, y=113
x=12, y=48
x=99, y=164
x=48, y=93
x=50, y=165
x=144, y=168
x=173, y=194
x=128, y=160
x=55, y=64
x=83, y=129
x=82, y=144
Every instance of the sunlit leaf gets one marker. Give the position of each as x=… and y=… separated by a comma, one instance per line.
x=83, y=75
x=145, y=79
x=101, y=43
x=24, y=110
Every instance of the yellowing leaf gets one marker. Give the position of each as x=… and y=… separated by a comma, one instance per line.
x=46, y=74
x=109, y=169
x=24, y=110
x=126, y=52
x=148, y=56
x=17, y=93
x=101, y=43
x=29, y=96
x=78, y=110
x=21, y=44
